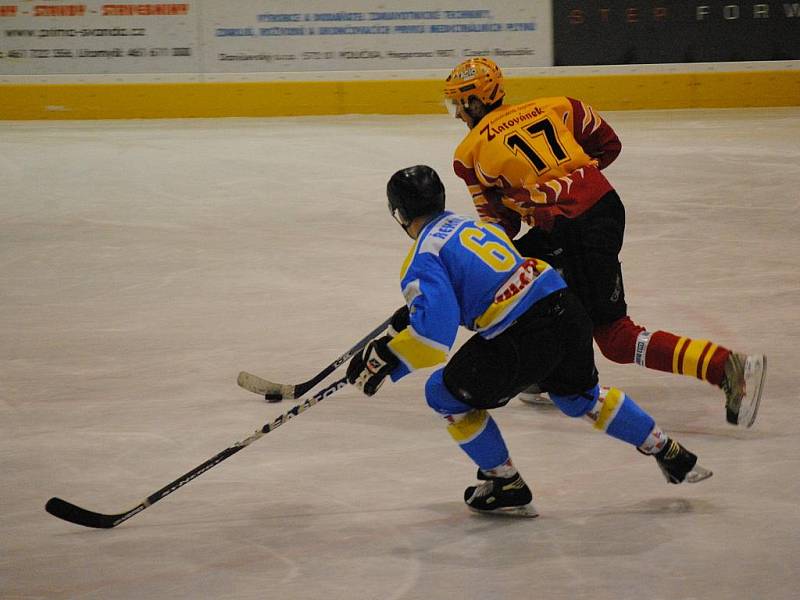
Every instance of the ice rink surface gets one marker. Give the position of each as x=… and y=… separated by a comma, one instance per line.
x=144, y=264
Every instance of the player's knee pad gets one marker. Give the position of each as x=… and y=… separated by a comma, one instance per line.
x=618, y=340
x=482, y=373
x=439, y=397
x=576, y=405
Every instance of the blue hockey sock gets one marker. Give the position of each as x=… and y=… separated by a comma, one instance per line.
x=619, y=416
x=479, y=437
x=610, y=410
x=474, y=430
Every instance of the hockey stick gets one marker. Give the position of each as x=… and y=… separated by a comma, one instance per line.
x=275, y=392
x=80, y=516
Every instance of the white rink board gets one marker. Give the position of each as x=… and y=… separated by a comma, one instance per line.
x=373, y=35
x=196, y=37
x=95, y=37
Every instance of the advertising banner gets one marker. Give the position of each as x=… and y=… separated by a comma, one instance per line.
x=65, y=37
x=267, y=36
x=284, y=35
x=347, y=39
x=613, y=32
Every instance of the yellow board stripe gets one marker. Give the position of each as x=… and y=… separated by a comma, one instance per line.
x=611, y=403
x=635, y=91
x=469, y=427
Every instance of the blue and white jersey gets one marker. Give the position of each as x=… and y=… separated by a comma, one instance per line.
x=462, y=272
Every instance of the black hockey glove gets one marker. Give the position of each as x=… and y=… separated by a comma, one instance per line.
x=369, y=368
x=400, y=320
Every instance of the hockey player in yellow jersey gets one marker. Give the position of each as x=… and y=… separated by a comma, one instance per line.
x=540, y=163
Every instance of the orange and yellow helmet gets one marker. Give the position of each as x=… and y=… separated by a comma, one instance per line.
x=479, y=77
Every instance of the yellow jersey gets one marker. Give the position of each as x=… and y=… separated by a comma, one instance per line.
x=537, y=160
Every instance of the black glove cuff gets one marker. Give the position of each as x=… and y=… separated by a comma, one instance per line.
x=382, y=349
x=400, y=320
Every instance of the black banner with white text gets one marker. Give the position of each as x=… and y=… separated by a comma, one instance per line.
x=614, y=32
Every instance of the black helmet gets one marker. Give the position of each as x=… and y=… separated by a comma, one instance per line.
x=413, y=192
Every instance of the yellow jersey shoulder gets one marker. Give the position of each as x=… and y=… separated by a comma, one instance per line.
x=559, y=105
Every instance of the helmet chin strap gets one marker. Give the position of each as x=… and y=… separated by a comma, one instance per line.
x=405, y=226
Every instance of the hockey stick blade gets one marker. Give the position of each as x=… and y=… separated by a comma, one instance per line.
x=275, y=392
x=80, y=516
x=262, y=387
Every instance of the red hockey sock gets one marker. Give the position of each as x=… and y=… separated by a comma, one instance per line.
x=685, y=356
x=623, y=341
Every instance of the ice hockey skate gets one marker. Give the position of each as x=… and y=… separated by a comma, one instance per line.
x=534, y=396
x=679, y=465
x=743, y=383
x=501, y=496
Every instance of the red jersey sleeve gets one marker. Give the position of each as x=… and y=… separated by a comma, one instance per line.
x=596, y=136
x=489, y=201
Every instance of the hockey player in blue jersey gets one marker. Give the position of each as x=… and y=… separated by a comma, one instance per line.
x=529, y=328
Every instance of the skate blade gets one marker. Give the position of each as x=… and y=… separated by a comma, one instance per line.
x=527, y=511
x=535, y=399
x=698, y=474
x=755, y=371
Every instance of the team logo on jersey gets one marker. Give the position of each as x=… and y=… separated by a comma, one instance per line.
x=525, y=274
